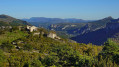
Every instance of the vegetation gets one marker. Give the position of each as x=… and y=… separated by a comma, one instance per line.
x=11, y=36
x=23, y=49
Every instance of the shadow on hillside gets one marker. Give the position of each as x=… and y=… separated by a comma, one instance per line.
x=96, y=37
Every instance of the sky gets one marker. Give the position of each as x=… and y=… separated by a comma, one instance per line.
x=80, y=9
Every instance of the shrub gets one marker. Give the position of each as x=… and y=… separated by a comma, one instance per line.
x=28, y=47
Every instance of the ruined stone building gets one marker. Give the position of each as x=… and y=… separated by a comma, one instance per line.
x=53, y=35
x=32, y=28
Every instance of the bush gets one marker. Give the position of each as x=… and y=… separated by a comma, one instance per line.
x=28, y=47
x=2, y=32
x=110, y=53
x=6, y=46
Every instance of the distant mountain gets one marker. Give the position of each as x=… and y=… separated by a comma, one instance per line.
x=80, y=28
x=8, y=20
x=45, y=22
x=98, y=37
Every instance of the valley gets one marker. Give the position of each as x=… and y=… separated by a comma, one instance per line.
x=60, y=44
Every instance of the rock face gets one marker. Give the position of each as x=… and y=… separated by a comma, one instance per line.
x=85, y=29
x=32, y=28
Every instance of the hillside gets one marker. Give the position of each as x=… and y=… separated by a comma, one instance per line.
x=99, y=36
x=26, y=49
x=8, y=20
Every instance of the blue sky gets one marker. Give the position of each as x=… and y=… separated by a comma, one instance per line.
x=82, y=9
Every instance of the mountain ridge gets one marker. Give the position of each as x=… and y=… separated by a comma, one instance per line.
x=101, y=35
x=80, y=28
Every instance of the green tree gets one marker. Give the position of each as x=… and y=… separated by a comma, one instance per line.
x=6, y=46
x=2, y=58
x=110, y=52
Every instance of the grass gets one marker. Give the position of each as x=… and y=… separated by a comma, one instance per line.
x=11, y=36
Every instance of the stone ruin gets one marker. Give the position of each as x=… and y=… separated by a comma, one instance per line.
x=32, y=28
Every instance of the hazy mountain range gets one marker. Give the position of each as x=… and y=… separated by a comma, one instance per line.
x=45, y=22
